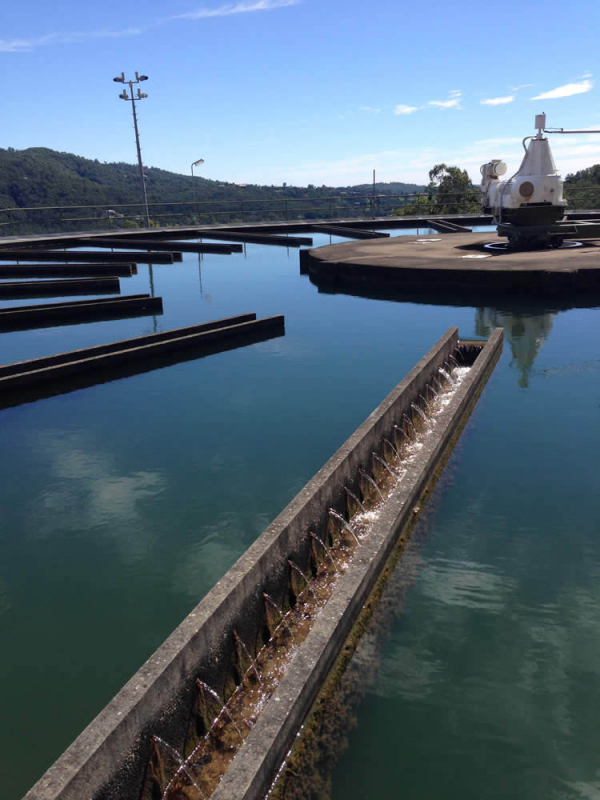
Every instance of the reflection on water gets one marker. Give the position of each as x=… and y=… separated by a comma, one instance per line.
x=490, y=682
x=526, y=332
x=526, y=325
x=124, y=502
x=86, y=492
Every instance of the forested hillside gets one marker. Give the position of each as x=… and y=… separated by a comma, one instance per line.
x=42, y=177
x=582, y=189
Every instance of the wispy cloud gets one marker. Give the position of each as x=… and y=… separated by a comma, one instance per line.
x=412, y=164
x=370, y=110
x=453, y=101
x=497, y=101
x=25, y=45
x=236, y=8
x=567, y=90
x=522, y=86
x=401, y=108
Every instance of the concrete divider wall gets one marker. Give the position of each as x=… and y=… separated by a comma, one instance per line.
x=108, y=759
x=101, y=349
x=255, y=766
x=27, y=374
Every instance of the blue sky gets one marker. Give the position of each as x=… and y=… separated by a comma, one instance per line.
x=303, y=91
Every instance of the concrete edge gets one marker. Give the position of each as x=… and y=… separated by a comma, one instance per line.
x=308, y=737
x=255, y=765
x=145, y=351
x=81, y=309
x=88, y=256
x=579, y=276
x=119, y=270
x=121, y=727
x=59, y=288
x=135, y=341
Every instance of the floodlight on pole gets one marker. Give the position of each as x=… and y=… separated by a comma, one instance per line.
x=195, y=164
x=132, y=98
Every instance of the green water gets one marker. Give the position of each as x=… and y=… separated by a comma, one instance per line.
x=489, y=686
x=123, y=503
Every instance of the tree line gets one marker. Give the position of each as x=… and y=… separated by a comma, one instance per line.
x=40, y=177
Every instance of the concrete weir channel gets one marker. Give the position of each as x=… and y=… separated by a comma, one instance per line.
x=216, y=709
x=26, y=380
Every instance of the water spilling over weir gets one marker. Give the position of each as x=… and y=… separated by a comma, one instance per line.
x=223, y=699
x=196, y=773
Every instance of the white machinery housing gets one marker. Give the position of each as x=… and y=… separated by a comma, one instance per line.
x=534, y=194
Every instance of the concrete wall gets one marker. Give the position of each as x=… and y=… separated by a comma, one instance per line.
x=102, y=357
x=256, y=764
x=42, y=315
x=108, y=759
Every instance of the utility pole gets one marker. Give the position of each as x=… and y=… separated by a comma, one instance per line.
x=195, y=164
x=131, y=97
x=373, y=204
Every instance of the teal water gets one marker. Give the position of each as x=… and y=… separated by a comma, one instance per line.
x=123, y=503
x=489, y=686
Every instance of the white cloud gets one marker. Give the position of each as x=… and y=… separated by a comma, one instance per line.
x=497, y=101
x=454, y=103
x=354, y=169
x=25, y=45
x=567, y=90
x=236, y=8
x=522, y=86
x=370, y=110
x=411, y=165
x=243, y=7
x=401, y=108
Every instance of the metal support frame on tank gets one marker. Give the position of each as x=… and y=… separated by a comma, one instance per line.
x=553, y=235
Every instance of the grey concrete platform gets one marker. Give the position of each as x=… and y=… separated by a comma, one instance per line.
x=199, y=231
x=456, y=261
x=283, y=227
x=182, y=247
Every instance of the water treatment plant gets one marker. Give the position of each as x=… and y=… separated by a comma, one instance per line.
x=300, y=494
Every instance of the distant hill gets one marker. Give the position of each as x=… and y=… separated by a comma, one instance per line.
x=582, y=189
x=42, y=177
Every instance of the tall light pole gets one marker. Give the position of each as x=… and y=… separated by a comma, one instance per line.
x=195, y=164
x=131, y=97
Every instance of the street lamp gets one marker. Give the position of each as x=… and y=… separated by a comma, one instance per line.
x=195, y=164
x=132, y=98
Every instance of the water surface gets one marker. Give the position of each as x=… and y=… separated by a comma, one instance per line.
x=123, y=503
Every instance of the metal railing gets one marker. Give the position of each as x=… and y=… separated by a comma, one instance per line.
x=35, y=219
x=71, y=218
